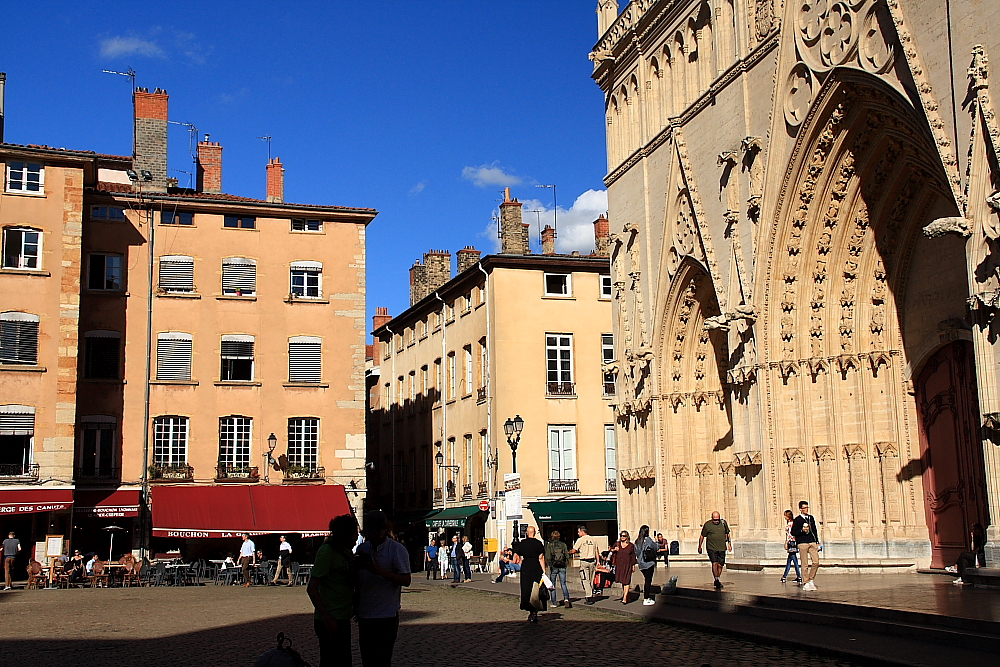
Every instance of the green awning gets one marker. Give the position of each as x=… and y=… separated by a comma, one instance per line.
x=453, y=517
x=575, y=510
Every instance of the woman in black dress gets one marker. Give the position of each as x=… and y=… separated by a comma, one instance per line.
x=532, y=553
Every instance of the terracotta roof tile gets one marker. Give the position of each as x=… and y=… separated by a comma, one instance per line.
x=126, y=158
x=181, y=193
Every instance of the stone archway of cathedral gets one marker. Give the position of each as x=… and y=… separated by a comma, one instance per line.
x=695, y=418
x=951, y=458
x=854, y=296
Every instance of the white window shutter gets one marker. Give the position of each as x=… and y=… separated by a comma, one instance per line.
x=305, y=359
x=17, y=420
x=176, y=273
x=569, y=453
x=239, y=275
x=554, y=454
x=173, y=357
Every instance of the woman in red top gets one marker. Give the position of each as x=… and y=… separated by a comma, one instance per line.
x=625, y=562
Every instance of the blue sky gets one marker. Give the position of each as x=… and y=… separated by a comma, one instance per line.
x=423, y=110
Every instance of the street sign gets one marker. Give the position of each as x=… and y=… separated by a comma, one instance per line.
x=484, y=506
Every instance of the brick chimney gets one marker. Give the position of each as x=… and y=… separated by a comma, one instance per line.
x=381, y=317
x=548, y=240
x=209, y=166
x=428, y=275
x=275, y=182
x=418, y=282
x=467, y=257
x=602, y=237
x=150, y=136
x=513, y=232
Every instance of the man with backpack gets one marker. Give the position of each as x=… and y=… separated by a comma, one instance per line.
x=716, y=530
x=557, y=557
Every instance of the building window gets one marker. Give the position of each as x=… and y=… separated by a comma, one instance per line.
x=562, y=452
x=116, y=213
x=239, y=276
x=606, y=291
x=104, y=272
x=469, y=460
x=484, y=459
x=17, y=430
x=18, y=338
x=452, y=376
x=423, y=383
x=102, y=358
x=25, y=177
x=610, y=455
x=411, y=380
x=558, y=284
x=97, y=446
x=399, y=391
x=438, y=383
x=437, y=319
x=170, y=437
x=234, y=441
x=307, y=280
x=608, y=356
x=559, y=363
x=239, y=222
x=237, y=358
x=452, y=462
x=176, y=274
x=305, y=359
x=450, y=311
x=411, y=336
x=301, y=225
x=22, y=248
x=176, y=218
x=173, y=356
x=483, y=362
x=467, y=350
x=480, y=295
x=303, y=442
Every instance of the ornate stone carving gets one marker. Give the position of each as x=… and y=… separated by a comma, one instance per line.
x=942, y=226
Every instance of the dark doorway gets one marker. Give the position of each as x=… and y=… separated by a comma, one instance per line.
x=950, y=451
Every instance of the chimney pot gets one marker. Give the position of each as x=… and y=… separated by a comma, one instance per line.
x=275, y=181
x=602, y=236
x=209, y=166
x=513, y=232
x=381, y=317
x=467, y=257
x=548, y=240
x=150, y=149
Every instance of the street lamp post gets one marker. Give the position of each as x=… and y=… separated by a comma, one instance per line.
x=272, y=442
x=512, y=428
x=439, y=460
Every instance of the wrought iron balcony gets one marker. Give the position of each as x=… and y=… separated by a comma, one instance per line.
x=171, y=473
x=227, y=473
x=609, y=388
x=90, y=474
x=18, y=472
x=560, y=388
x=481, y=395
x=296, y=473
x=438, y=496
x=611, y=485
x=564, y=485
x=483, y=490
x=466, y=492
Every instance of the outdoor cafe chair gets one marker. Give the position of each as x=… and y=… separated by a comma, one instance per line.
x=303, y=573
x=36, y=577
x=293, y=571
x=160, y=575
x=264, y=572
x=226, y=577
x=98, y=575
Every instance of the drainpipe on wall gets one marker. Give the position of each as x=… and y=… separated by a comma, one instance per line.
x=444, y=397
x=392, y=383
x=487, y=385
x=144, y=506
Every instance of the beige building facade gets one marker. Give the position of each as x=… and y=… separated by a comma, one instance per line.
x=512, y=334
x=804, y=269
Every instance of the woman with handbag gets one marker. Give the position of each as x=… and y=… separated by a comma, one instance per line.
x=645, y=553
x=533, y=594
x=792, y=548
x=625, y=562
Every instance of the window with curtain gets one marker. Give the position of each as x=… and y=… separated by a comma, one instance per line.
x=562, y=452
x=237, y=358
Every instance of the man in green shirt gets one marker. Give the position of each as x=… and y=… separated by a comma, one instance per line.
x=331, y=590
x=717, y=533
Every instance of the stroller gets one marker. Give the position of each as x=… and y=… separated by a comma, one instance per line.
x=605, y=574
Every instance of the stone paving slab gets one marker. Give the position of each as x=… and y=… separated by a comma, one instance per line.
x=202, y=626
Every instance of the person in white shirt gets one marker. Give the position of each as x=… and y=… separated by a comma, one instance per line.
x=383, y=569
x=247, y=557
x=284, y=561
x=90, y=564
x=466, y=562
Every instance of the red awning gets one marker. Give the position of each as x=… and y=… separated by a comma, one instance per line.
x=29, y=501
x=107, y=504
x=227, y=511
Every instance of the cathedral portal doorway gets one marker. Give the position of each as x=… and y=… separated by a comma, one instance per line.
x=950, y=451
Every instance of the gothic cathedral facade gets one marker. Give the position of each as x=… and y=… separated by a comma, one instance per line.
x=806, y=266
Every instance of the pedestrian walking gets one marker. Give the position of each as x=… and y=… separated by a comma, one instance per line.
x=716, y=533
x=247, y=558
x=431, y=559
x=586, y=550
x=11, y=547
x=331, y=591
x=383, y=569
x=284, y=561
x=532, y=553
x=457, y=555
x=792, y=547
x=969, y=559
x=625, y=561
x=807, y=538
x=467, y=557
x=557, y=557
x=645, y=553
x=443, y=557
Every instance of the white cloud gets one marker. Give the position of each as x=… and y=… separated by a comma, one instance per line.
x=116, y=47
x=575, y=224
x=418, y=188
x=489, y=174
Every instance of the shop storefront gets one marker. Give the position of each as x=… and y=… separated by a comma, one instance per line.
x=106, y=521
x=208, y=521
x=34, y=514
x=462, y=521
x=600, y=517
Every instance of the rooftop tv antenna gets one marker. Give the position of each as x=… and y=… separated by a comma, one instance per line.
x=193, y=136
x=190, y=177
x=538, y=221
x=555, y=209
x=130, y=73
x=267, y=138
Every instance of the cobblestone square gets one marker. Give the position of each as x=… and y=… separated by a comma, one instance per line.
x=215, y=625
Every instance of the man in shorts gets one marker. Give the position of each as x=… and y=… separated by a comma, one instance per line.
x=716, y=533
